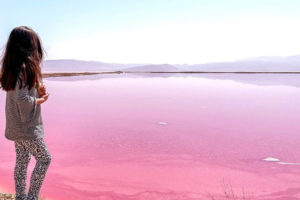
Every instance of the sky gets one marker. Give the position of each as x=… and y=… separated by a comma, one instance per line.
x=158, y=31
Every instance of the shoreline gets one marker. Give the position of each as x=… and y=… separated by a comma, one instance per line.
x=60, y=74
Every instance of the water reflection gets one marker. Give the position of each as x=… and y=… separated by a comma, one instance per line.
x=255, y=79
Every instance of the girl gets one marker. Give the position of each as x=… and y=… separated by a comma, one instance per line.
x=20, y=77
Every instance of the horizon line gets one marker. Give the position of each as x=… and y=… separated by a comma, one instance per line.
x=245, y=59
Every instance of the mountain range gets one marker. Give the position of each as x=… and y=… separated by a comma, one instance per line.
x=259, y=64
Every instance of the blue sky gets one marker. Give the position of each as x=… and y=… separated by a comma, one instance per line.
x=158, y=31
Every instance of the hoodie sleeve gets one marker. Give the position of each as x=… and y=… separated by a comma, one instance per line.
x=26, y=104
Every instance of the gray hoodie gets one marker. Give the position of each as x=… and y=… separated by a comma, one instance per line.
x=23, y=114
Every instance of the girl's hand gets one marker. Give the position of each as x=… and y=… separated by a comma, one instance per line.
x=42, y=90
x=43, y=98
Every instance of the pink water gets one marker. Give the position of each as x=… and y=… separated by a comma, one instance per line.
x=133, y=137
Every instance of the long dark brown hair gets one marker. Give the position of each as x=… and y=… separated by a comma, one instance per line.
x=23, y=53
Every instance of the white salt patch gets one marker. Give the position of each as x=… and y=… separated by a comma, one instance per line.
x=163, y=123
x=270, y=159
x=288, y=163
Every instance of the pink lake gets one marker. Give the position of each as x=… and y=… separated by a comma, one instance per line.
x=168, y=137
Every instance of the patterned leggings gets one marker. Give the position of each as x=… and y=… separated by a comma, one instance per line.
x=24, y=150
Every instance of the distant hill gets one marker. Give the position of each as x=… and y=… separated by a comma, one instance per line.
x=82, y=66
x=152, y=68
x=260, y=64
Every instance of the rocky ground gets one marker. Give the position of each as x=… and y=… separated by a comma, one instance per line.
x=5, y=196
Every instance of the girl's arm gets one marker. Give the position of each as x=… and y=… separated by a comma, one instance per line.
x=27, y=104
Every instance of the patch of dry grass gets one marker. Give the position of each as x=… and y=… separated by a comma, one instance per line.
x=230, y=194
